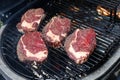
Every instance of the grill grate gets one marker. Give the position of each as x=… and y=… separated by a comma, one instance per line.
x=58, y=64
x=111, y=4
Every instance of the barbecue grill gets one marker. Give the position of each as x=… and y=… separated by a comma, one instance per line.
x=58, y=65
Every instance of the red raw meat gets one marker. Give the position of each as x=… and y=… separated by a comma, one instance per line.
x=30, y=20
x=56, y=30
x=80, y=44
x=31, y=47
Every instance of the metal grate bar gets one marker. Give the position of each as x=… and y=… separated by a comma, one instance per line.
x=47, y=66
x=66, y=61
x=99, y=55
x=93, y=61
x=109, y=4
x=95, y=58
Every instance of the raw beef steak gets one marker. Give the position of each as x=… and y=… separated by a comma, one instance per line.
x=56, y=30
x=31, y=47
x=30, y=20
x=80, y=44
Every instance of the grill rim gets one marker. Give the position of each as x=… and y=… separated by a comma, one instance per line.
x=105, y=67
x=7, y=9
x=7, y=71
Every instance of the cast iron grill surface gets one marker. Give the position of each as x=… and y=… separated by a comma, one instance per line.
x=111, y=4
x=58, y=65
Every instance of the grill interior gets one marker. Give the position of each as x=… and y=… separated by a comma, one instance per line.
x=58, y=65
x=112, y=5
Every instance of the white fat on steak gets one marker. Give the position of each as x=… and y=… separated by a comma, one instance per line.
x=28, y=24
x=21, y=30
x=53, y=37
x=39, y=55
x=64, y=34
x=78, y=55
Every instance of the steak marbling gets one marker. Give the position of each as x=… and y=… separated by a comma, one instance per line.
x=80, y=44
x=31, y=47
x=56, y=30
x=30, y=20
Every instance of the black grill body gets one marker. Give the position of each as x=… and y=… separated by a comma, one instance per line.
x=8, y=8
x=58, y=65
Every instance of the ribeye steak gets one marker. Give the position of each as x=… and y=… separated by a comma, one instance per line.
x=80, y=44
x=30, y=20
x=31, y=47
x=56, y=30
